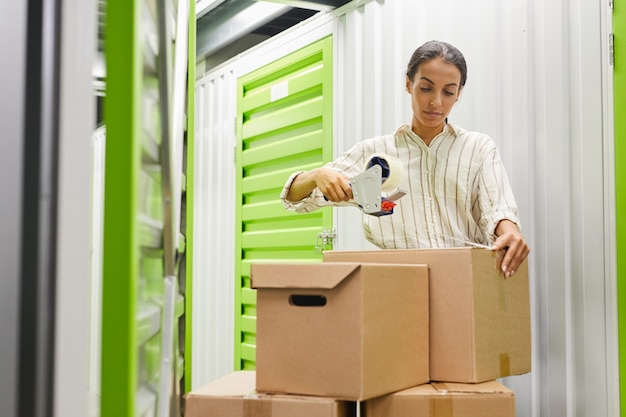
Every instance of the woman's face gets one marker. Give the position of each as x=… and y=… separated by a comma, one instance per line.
x=434, y=89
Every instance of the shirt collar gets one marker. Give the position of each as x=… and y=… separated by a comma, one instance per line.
x=448, y=129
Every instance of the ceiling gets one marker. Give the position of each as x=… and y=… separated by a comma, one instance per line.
x=228, y=27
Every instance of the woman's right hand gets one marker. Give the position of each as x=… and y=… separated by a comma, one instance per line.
x=333, y=184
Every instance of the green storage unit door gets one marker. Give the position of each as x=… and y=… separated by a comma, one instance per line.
x=284, y=124
x=144, y=236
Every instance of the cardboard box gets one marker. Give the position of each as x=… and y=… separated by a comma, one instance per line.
x=234, y=395
x=488, y=399
x=341, y=330
x=479, y=320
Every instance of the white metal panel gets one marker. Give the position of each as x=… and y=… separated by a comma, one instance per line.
x=214, y=225
x=73, y=251
x=95, y=302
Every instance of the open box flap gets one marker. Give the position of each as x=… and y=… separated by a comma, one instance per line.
x=300, y=275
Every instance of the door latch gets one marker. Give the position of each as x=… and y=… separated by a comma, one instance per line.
x=324, y=240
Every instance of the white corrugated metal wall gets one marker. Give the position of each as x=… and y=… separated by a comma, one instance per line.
x=214, y=224
x=538, y=83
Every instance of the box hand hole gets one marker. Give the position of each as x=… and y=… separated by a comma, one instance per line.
x=302, y=300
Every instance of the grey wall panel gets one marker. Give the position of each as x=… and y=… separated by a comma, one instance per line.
x=13, y=51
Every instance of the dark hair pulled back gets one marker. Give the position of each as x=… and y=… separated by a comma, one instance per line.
x=437, y=49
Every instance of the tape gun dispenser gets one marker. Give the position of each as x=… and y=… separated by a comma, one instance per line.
x=382, y=173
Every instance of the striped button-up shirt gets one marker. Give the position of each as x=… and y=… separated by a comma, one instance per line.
x=457, y=189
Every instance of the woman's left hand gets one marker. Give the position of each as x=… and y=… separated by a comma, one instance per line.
x=512, y=241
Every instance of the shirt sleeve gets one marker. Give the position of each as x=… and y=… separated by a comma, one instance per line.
x=349, y=163
x=496, y=198
x=312, y=202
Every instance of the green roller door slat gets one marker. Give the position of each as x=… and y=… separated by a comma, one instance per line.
x=150, y=232
x=150, y=150
x=265, y=181
x=270, y=75
x=291, y=222
x=248, y=296
x=267, y=210
x=283, y=118
x=282, y=238
x=302, y=254
x=280, y=69
x=308, y=79
x=148, y=322
x=248, y=324
x=248, y=355
x=310, y=159
x=246, y=264
x=150, y=192
x=284, y=125
x=307, y=142
x=275, y=180
x=272, y=210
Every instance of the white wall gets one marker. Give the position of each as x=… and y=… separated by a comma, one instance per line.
x=538, y=81
x=213, y=262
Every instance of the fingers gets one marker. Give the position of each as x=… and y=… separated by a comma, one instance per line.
x=338, y=193
x=334, y=185
x=516, y=250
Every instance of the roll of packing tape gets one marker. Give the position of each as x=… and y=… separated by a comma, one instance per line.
x=392, y=170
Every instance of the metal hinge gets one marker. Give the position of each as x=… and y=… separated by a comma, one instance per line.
x=611, y=49
x=325, y=240
x=611, y=4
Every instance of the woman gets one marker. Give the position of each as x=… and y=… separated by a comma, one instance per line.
x=458, y=190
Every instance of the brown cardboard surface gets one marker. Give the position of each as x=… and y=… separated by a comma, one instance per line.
x=370, y=337
x=488, y=399
x=479, y=320
x=234, y=395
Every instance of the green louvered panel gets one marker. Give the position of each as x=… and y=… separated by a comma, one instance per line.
x=284, y=125
x=135, y=280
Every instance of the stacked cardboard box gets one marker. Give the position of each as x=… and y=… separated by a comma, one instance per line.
x=234, y=395
x=479, y=331
x=409, y=332
x=343, y=330
x=486, y=399
x=479, y=320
